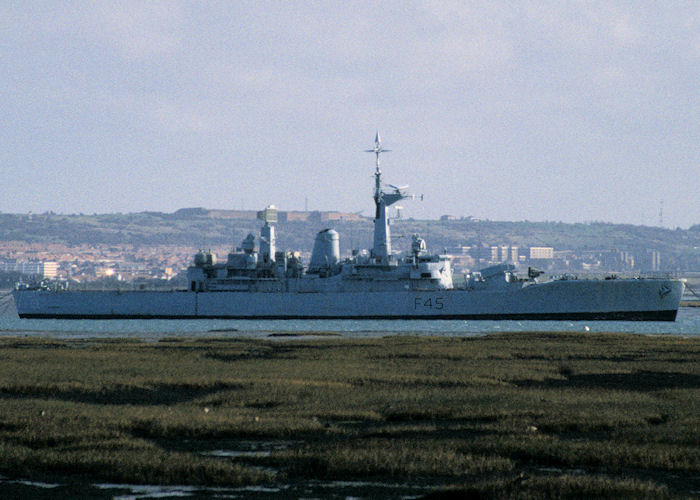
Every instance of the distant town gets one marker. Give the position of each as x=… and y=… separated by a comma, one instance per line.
x=153, y=247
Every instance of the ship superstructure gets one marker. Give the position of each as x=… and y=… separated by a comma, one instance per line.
x=267, y=270
x=259, y=281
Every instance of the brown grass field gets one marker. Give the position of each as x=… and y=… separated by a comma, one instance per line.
x=516, y=415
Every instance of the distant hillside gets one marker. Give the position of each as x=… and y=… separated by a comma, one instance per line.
x=189, y=226
x=202, y=227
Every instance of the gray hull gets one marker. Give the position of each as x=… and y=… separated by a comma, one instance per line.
x=622, y=299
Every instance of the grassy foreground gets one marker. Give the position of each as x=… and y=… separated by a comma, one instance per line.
x=517, y=415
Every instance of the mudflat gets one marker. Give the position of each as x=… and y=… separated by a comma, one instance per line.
x=516, y=415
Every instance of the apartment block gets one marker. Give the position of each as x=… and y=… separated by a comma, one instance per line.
x=541, y=253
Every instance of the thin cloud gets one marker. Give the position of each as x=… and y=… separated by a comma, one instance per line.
x=134, y=30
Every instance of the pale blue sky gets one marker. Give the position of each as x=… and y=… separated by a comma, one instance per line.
x=572, y=111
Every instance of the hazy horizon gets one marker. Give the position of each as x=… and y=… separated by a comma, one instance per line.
x=365, y=214
x=574, y=111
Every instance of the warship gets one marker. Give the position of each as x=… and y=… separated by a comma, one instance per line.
x=264, y=283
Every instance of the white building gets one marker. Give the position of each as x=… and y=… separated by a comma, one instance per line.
x=541, y=253
x=50, y=269
x=46, y=269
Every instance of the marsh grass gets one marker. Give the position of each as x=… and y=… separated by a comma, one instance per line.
x=555, y=486
x=482, y=414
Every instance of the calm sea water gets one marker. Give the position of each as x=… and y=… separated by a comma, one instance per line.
x=687, y=324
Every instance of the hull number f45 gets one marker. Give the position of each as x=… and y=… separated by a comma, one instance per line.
x=428, y=303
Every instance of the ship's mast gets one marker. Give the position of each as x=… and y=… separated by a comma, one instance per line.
x=381, y=250
x=378, y=171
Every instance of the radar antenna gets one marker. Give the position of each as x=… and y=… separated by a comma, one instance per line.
x=378, y=149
